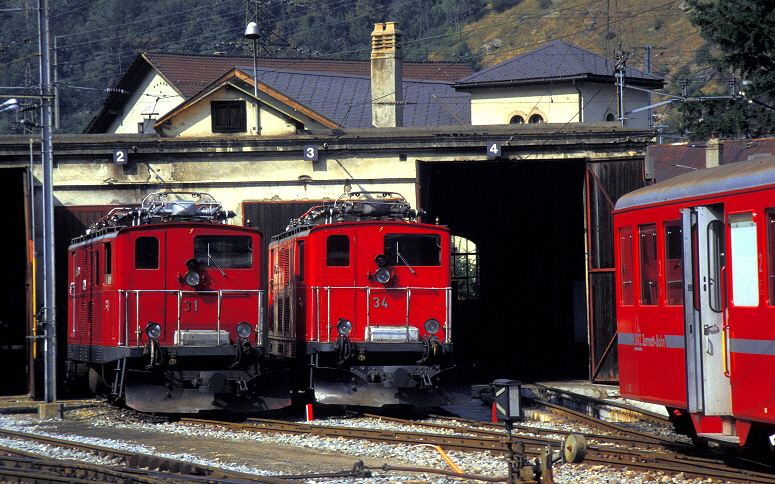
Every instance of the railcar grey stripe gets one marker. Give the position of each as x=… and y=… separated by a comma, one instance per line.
x=752, y=346
x=674, y=341
x=659, y=341
x=626, y=339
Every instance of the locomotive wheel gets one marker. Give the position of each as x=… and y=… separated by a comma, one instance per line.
x=574, y=449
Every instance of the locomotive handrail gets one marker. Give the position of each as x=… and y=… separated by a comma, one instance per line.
x=317, y=292
x=124, y=338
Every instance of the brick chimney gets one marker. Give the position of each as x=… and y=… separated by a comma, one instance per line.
x=387, y=97
x=714, y=151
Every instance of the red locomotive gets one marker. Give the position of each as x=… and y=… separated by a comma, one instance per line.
x=359, y=302
x=165, y=309
x=696, y=300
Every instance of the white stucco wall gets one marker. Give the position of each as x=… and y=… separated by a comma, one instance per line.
x=153, y=95
x=238, y=174
x=195, y=120
x=556, y=103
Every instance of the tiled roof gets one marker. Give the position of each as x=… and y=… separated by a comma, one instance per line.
x=555, y=61
x=189, y=73
x=676, y=159
x=346, y=99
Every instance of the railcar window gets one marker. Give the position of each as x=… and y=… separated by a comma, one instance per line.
x=674, y=264
x=744, y=255
x=626, y=267
x=715, y=263
x=649, y=267
x=771, y=255
x=338, y=251
x=413, y=249
x=224, y=251
x=147, y=253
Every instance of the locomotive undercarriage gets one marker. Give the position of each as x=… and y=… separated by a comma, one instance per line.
x=368, y=374
x=185, y=380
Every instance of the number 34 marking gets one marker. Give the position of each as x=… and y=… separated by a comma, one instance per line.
x=377, y=303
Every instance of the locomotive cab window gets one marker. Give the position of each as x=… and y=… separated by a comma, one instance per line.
x=224, y=251
x=649, y=266
x=108, y=263
x=338, y=251
x=300, y=261
x=413, y=249
x=744, y=256
x=147, y=253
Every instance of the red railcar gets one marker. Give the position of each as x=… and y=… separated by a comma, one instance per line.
x=359, y=302
x=696, y=300
x=165, y=309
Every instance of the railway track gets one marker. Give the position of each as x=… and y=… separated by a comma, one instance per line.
x=126, y=466
x=618, y=447
x=609, y=446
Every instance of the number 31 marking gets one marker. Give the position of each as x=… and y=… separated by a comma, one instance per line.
x=378, y=303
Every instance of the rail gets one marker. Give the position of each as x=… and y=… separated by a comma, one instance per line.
x=125, y=307
x=324, y=321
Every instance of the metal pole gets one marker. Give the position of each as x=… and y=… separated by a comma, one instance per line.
x=255, y=85
x=648, y=71
x=49, y=304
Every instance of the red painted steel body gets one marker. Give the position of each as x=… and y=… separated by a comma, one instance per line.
x=156, y=295
x=696, y=300
x=360, y=306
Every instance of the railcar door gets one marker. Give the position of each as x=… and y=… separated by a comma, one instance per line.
x=709, y=388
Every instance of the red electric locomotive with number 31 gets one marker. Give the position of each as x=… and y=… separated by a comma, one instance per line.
x=359, y=302
x=165, y=309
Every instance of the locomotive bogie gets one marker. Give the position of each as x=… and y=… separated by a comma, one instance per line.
x=696, y=300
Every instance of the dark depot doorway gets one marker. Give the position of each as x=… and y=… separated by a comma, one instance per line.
x=526, y=317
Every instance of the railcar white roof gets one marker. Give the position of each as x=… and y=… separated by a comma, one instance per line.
x=738, y=176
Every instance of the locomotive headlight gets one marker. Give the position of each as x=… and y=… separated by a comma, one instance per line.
x=244, y=330
x=153, y=330
x=192, y=278
x=344, y=327
x=432, y=326
x=382, y=275
x=381, y=260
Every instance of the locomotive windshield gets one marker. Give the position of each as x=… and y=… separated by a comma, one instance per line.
x=413, y=249
x=224, y=251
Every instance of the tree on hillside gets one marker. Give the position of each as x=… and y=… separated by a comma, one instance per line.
x=743, y=31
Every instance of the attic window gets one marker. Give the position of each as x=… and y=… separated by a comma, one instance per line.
x=517, y=120
x=536, y=118
x=228, y=116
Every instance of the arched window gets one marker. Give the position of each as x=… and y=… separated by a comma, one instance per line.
x=536, y=118
x=610, y=117
x=517, y=120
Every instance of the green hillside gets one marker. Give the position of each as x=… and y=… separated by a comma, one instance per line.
x=97, y=40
